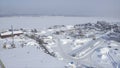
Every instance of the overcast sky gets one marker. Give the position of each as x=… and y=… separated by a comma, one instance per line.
x=61, y=7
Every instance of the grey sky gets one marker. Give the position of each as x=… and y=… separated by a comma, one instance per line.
x=61, y=7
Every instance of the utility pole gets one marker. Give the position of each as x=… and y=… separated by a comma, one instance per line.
x=12, y=45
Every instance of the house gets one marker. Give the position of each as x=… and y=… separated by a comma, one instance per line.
x=10, y=34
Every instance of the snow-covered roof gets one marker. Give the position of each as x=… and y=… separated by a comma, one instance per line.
x=104, y=50
x=10, y=32
x=79, y=41
x=65, y=41
x=69, y=26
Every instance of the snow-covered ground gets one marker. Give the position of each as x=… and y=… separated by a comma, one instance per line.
x=60, y=42
x=28, y=57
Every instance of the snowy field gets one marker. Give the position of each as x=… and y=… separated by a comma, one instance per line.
x=29, y=57
x=47, y=21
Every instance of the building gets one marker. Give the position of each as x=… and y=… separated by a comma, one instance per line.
x=10, y=33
